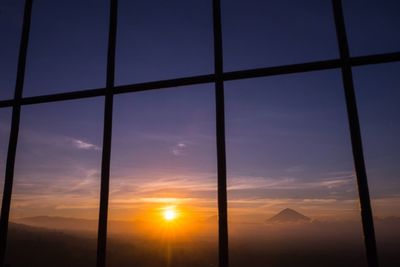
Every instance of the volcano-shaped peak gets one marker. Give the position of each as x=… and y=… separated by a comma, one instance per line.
x=288, y=215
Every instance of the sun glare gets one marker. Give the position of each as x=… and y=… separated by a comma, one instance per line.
x=169, y=214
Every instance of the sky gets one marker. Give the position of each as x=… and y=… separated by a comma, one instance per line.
x=287, y=136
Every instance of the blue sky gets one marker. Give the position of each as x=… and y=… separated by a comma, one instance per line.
x=287, y=136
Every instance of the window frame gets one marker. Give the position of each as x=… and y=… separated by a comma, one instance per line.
x=345, y=63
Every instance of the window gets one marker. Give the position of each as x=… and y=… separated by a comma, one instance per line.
x=291, y=184
x=55, y=201
x=203, y=134
x=372, y=26
x=163, y=186
x=10, y=27
x=5, y=115
x=377, y=91
x=67, y=48
x=160, y=40
x=268, y=33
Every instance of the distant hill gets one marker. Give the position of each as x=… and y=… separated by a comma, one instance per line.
x=78, y=224
x=60, y=223
x=45, y=247
x=288, y=215
x=37, y=246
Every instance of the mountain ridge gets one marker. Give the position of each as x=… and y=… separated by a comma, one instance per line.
x=288, y=215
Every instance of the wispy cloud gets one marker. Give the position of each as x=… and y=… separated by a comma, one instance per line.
x=165, y=199
x=288, y=183
x=180, y=148
x=149, y=185
x=79, y=144
x=51, y=140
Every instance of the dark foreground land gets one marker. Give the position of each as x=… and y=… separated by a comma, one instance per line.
x=316, y=244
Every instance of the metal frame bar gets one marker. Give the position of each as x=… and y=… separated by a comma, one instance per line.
x=344, y=63
x=12, y=145
x=355, y=136
x=223, y=251
x=107, y=135
x=208, y=78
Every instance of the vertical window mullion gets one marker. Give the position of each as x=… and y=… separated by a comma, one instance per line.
x=12, y=145
x=355, y=133
x=107, y=132
x=220, y=134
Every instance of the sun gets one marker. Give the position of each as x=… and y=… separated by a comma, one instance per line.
x=169, y=214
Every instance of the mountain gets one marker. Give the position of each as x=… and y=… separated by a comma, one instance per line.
x=37, y=246
x=79, y=225
x=288, y=215
x=59, y=223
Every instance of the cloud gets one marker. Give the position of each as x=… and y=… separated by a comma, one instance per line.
x=179, y=149
x=165, y=199
x=288, y=183
x=79, y=144
x=319, y=200
x=32, y=137
x=149, y=185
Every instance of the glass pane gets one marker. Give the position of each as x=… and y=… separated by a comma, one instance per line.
x=10, y=27
x=163, y=191
x=377, y=94
x=267, y=33
x=160, y=39
x=67, y=46
x=372, y=26
x=5, y=124
x=54, y=207
x=292, y=194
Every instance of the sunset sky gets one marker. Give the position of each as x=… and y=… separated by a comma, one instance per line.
x=287, y=136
